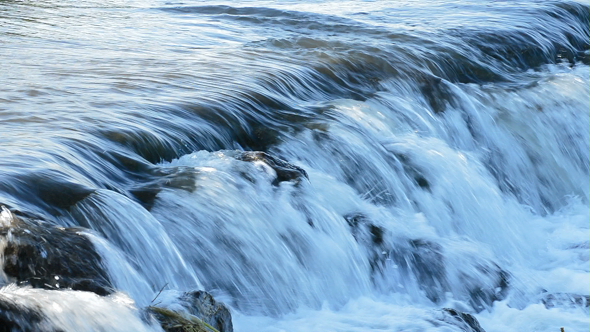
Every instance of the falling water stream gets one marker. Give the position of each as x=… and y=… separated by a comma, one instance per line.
x=443, y=151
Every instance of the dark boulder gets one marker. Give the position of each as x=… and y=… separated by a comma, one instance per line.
x=16, y=318
x=466, y=322
x=40, y=255
x=413, y=171
x=204, y=306
x=200, y=313
x=285, y=171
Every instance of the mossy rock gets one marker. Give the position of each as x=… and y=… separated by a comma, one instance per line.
x=172, y=321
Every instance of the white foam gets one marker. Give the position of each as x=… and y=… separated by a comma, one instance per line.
x=76, y=311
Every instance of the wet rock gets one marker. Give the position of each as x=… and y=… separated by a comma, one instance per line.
x=149, y=144
x=16, y=318
x=146, y=195
x=172, y=321
x=426, y=260
x=422, y=182
x=413, y=172
x=371, y=237
x=490, y=285
x=465, y=321
x=40, y=255
x=285, y=171
x=363, y=230
x=421, y=259
x=204, y=306
x=183, y=178
x=481, y=283
x=416, y=261
x=50, y=190
x=202, y=313
x=423, y=262
x=58, y=193
x=565, y=300
x=436, y=93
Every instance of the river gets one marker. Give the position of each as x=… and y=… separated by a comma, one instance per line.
x=445, y=149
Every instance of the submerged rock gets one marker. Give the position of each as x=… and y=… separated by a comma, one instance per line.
x=490, y=285
x=186, y=178
x=285, y=171
x=363, y=230
x=40, y=255
x=422, y=259
x=183, y=178
x=481, y=282
x=50, y=190
x=424, y=262
x=201, y=313
x=466, y=322
x=16, y=318
x=436, y=93
x=370, y=236
x=567, y=300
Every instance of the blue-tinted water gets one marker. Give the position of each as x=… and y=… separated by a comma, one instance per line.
x=446, y=144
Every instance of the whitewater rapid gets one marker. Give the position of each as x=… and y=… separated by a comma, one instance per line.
x=419, y=160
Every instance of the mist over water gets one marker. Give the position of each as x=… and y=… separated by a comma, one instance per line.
x=419, y=156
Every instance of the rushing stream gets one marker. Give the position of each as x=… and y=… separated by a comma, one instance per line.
x=418, y=155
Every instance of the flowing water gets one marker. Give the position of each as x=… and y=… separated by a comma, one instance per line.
x=446, y=146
